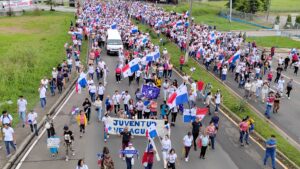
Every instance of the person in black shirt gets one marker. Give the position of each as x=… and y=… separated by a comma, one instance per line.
x=196, y=127
x=60, y=82
x=68, y=138
x=126, y=136
x=87, y=108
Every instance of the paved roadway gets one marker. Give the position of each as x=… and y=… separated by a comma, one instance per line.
x=228, y=153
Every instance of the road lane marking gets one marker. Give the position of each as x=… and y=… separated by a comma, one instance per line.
x=43, y=132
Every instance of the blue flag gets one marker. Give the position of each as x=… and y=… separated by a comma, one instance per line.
x=150, y=92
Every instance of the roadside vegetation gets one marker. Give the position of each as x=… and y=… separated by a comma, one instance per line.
x=30, y=45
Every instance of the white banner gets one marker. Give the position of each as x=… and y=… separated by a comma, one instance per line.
x=53, y=142
x=16, y=4
x=137, y=127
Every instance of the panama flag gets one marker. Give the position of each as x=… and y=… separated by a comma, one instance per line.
x=114, y=25
x=235, y=57
x=144, y=40
x=131, y=67
x=180, y=96
x=189, y=115
x=201, y=112
x=134, y=30
x=151, y=131
x=212, y=38
x=156, y=55
x=81, y=82
x=178, y=23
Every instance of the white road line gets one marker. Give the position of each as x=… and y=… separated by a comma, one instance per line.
x=259, y=145
x=43, y=132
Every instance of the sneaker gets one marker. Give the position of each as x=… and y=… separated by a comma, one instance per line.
x=289, y=98
x=186, y=159
x=123, y=158
x=107, y=136
x=67, y=158
x=105, y=140
x=73, y=154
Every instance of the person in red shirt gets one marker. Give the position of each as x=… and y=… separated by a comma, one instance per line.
x=118, y=74
x=181, y=62
x=150, y=158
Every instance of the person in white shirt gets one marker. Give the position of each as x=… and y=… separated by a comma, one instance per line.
x=165, y=86
x=224, y=73
x=129, y=154
x=91, y=71
x=280, y=85
x=6, y=118
x=218, y=98
x=100, y=91
x=105, y=120
x=54, y=73
x=92, y=92
x=105, y=72
x=166, y=147
x=138, y=76
x=42, y=91
x=69, y=63
x=172, y=158
x=116, y=98
x=22, y=103
x=81, y=165
x=126, y=97
x=99, y=108
x=9, y=139
x=187, y=142
x=32, y=121
x=77, y=65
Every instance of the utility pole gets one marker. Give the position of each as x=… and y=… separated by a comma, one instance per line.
x=230, y=10
x=186, y=58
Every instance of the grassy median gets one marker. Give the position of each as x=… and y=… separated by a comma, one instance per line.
x=30, y=45
x=230, y=100
x=277, y=41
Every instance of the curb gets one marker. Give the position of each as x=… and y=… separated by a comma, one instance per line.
x=26, y=142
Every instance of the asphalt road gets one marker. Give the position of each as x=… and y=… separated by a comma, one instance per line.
x=228, y=153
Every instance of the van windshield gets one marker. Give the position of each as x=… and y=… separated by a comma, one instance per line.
x=114, y=42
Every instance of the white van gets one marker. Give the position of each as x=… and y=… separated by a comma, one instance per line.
x=113, y=42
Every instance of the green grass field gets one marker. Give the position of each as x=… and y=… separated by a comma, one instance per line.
x=207, y=13
x=30, y=45
x=277, y=41
x=231, y=101
x=285, y=6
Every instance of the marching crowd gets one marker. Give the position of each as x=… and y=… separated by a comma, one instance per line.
x=252, y=72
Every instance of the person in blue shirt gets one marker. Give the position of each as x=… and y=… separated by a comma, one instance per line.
x=164, y=109
x=271, y=150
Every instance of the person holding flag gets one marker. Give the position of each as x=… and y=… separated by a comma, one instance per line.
x=196, y=129
x=148, y=156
